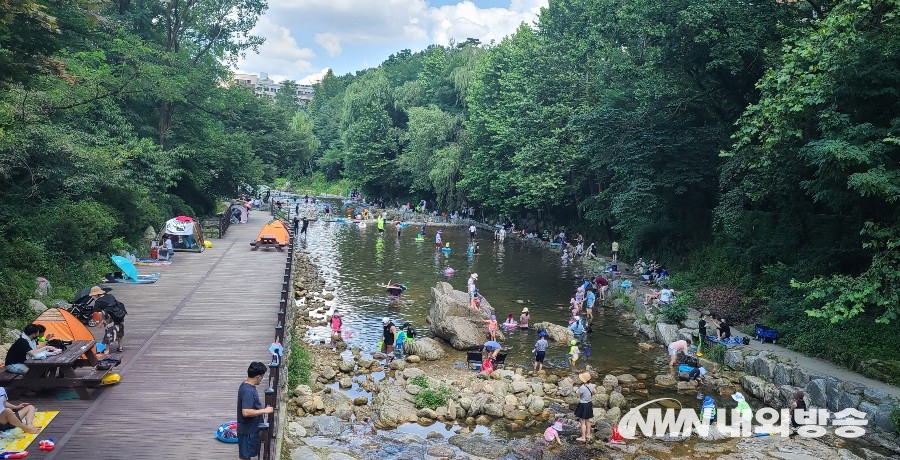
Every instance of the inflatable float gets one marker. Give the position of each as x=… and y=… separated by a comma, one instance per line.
x=449, y=271
x=445, y=250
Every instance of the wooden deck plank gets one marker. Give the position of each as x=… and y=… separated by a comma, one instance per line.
x=189, y=338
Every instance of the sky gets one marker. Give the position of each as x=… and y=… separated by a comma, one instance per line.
x=304, y=38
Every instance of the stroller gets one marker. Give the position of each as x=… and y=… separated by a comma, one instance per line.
x=83, y=307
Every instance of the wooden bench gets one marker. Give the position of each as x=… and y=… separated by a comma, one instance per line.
x=94, y=377
x=7, y=377
x=266, y=242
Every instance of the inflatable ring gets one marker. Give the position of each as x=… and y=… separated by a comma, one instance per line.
x=227, y=432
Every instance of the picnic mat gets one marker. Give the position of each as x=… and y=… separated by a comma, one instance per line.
x=142, y=279
x=153, y=262
x=16, y=440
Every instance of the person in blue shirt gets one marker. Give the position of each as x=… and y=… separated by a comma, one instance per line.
x=577, y=326
x=249, y=411
x=589, y=304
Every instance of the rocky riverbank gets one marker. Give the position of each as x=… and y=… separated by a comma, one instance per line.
x=427, y=406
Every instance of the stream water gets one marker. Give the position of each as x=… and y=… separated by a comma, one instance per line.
x=356, y=261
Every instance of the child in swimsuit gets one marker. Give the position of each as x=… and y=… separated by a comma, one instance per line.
x=492, y=326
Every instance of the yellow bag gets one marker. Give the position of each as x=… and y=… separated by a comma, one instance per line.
x=111, y=379
x=207, y=244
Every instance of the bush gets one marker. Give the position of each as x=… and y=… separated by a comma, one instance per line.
x=674, y=312
x=432, y=398
x=419, y=381
x=299, y=365
x=717, y=353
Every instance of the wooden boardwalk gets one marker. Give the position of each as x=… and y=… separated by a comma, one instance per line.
x=189, y=339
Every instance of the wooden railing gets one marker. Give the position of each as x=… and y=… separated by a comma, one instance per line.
x=217, y=225
x=268, y=429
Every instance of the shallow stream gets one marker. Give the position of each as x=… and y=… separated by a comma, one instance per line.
x=356, y=261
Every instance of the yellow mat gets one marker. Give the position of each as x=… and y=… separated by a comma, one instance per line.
x=16, y=440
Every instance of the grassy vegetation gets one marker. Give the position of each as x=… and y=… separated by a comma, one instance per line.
x=299, y=365
x=317, y=184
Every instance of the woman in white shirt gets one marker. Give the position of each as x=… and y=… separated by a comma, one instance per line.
x=585, y=410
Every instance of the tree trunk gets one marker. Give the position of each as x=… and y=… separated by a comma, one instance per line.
x=165, y=116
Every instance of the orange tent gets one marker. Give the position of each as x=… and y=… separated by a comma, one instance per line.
x=274, y=230
x=63, y=325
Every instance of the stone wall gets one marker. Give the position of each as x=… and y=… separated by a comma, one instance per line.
x=775, y=380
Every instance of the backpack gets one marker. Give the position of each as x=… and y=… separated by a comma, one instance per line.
x=117, y=311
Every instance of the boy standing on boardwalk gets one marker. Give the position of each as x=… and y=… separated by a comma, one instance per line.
x=249, y=410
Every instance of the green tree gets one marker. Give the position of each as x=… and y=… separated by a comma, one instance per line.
x=825, y=134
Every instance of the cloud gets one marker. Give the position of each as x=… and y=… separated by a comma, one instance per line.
x=405, y=21
x=330, y=42
x=356, y=34
x=314, y=78
x=280, y=53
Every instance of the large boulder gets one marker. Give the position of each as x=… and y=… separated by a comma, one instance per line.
x=37, y=306
x=426, y=348
x=392, y=407
x=555, y=332
x=476, y=444
x=452, y=320
x=667, y=333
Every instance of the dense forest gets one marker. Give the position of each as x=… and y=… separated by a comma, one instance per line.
x=753, y=148
x=114, y=117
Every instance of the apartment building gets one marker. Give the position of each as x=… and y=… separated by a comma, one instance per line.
x=264, y=86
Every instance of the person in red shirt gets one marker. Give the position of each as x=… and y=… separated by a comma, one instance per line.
x=602, y=287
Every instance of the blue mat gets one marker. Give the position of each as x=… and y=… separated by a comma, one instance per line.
x=142, y=279
x=731, y=341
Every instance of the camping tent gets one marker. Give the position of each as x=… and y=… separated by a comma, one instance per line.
x=185, y=233
x=238, y=213
x=63, y=325
x=273, y=235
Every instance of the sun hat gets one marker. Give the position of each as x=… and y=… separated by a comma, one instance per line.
x=385, y=320
x=525, y=310
x=474, y=275
x=493, y=316
x=96, y=291
x=584, y=377
x=573, y=342
x=738, y=397
x=557, y=426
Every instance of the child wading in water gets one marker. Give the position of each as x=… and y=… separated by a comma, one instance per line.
x=492, y=327
x=573, y=353
x=336, y=325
